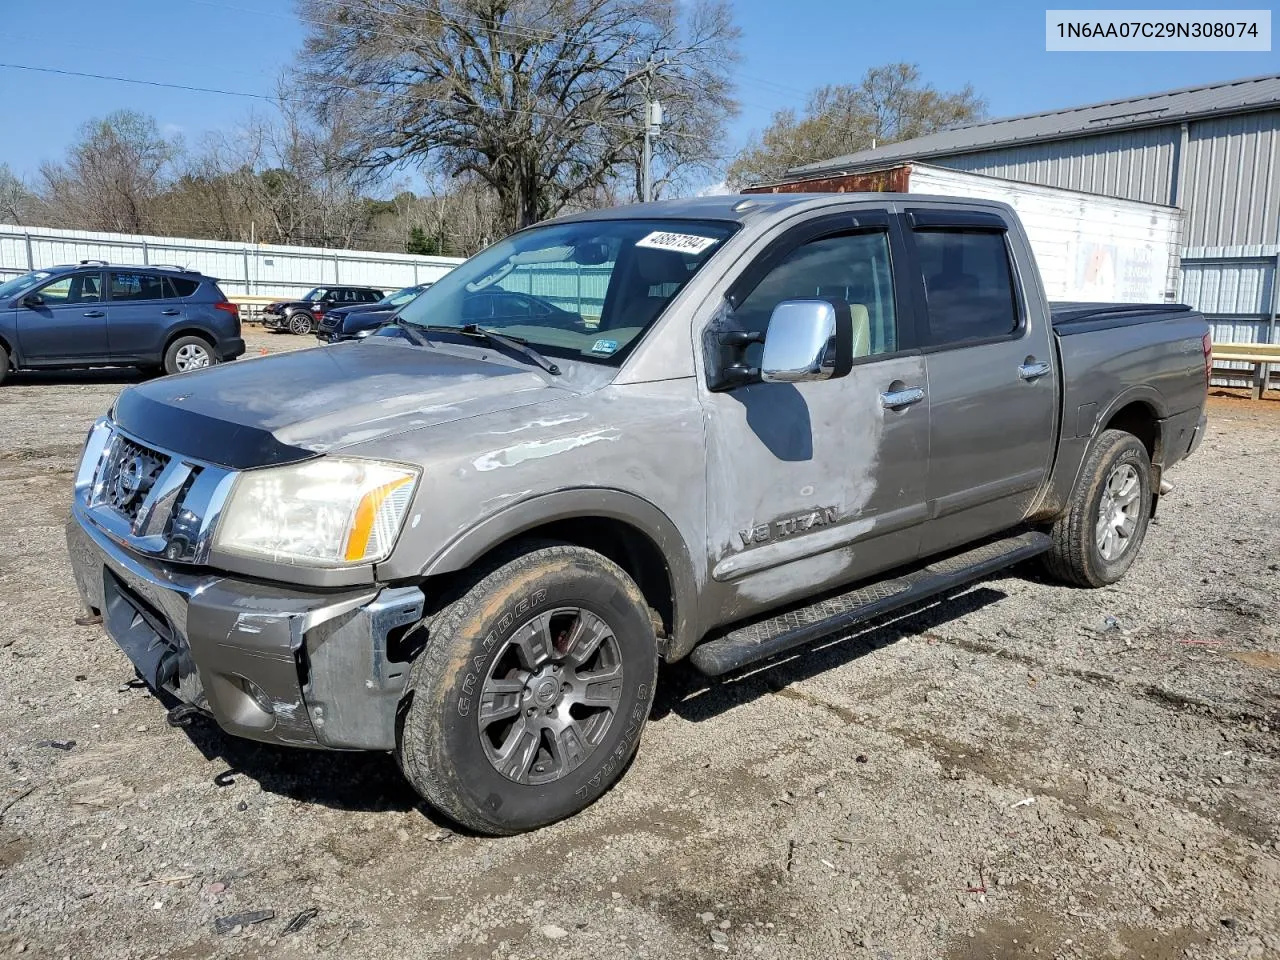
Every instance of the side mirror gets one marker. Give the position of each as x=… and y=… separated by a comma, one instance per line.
x=808, y=340
x=33, y=300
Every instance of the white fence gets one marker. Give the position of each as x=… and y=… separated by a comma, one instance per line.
x=255, y=269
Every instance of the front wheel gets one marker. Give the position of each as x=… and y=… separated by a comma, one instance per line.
x=1097, y=539
x=300, y=323
x=528, y=701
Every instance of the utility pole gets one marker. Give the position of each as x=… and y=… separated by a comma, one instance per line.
x=652, y=130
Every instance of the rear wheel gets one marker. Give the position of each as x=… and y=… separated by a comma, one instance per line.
x=528, y=701
x=300, y=323
x=1097, y=539
x=188, y=353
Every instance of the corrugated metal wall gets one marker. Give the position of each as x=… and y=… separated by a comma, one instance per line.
x=1231, y=179
x=1133, y=164
x=1235, y=288
x=1232, y=184
x=265, y=269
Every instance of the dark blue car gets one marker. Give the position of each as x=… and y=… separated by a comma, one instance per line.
x=94, y=314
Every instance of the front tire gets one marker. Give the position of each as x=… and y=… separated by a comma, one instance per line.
x=1097, y=539
x=4, y=363
x=300, y=323
x=529, y=699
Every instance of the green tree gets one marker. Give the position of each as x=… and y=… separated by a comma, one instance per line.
x=422, y=244
x=889, y=103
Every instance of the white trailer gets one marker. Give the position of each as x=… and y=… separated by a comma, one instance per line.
x=1088, y=247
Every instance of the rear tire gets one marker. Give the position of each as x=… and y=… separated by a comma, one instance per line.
x=1098, y=537
x=300, y=323
x=4, y=363
x=188, y=353
x=529, y=699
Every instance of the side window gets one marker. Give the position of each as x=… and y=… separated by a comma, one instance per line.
x=968, y=285
x=136, y=286
x=180, y=287
x=77, y=288
x=851, y=267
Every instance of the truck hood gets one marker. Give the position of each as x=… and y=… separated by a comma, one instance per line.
x=292, y=406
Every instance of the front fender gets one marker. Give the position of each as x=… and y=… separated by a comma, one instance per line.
x=636, y=512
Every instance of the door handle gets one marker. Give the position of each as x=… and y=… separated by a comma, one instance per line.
x=1034, y=369
x=897, y=399
x=169, y=313
x=95, y=313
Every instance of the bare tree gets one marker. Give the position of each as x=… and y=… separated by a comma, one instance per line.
x=890, y=103
x=112, y=176
x=542, y=100
x=17, y=203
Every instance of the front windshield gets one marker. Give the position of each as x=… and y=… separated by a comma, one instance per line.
x=316, y=294
x=586, y=290
x=401, y=297
x=11, y=288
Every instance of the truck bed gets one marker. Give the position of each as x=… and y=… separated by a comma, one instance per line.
x=1073, y=318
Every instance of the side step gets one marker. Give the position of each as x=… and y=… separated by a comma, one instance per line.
x=765, y=638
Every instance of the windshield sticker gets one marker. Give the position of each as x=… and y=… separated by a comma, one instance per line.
x=605, y=346
x=678, y=242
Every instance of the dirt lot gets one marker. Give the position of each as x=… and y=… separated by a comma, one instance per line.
x=1024, y=771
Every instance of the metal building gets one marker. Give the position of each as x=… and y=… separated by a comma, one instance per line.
x=1213, y=151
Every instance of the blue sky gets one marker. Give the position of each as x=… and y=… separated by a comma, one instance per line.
x=788, y=48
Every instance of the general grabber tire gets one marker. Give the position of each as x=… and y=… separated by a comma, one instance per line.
x=528, y=700
x=1096, y=540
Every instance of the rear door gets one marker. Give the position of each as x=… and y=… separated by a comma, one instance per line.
x=988, y=355
x=140, y=309
x=68, y=326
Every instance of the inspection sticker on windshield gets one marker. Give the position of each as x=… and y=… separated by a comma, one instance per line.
x=679, y=242
x=605, y=346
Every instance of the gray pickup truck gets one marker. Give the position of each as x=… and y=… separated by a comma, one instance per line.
x=737, y=425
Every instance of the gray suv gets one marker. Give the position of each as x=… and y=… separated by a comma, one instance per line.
x=94, y=314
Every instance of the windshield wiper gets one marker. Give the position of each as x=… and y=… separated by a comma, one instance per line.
x=514, y=344
x=412, y=331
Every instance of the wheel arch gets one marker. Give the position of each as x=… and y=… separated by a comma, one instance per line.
x=628, y=529
x=187, y=331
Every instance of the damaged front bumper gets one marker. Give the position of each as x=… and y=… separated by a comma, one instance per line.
x=272, y=663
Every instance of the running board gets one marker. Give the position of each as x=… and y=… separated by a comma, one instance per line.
x=765, y=638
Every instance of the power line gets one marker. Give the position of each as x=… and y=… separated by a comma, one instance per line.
x=273, y=99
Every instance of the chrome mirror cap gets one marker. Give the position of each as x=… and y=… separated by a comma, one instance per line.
x=804, y=342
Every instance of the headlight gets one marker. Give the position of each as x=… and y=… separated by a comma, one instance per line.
x=365, y=333
x=325, y=512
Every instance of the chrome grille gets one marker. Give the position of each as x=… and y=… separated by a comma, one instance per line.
x=129, y=471
x=151, y=500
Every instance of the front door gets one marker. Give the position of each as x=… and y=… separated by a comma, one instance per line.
x=991, y=385
x=812, y=485
x=67, y=325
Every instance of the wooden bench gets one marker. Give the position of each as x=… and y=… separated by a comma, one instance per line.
x=1258, y=354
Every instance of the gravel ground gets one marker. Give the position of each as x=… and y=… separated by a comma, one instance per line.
x=1025, y=770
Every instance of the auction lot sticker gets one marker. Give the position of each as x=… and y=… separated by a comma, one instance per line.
x=677, y=242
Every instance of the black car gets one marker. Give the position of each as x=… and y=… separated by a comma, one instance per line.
x=96, y=314
x=357, y=322
x=301, y=316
